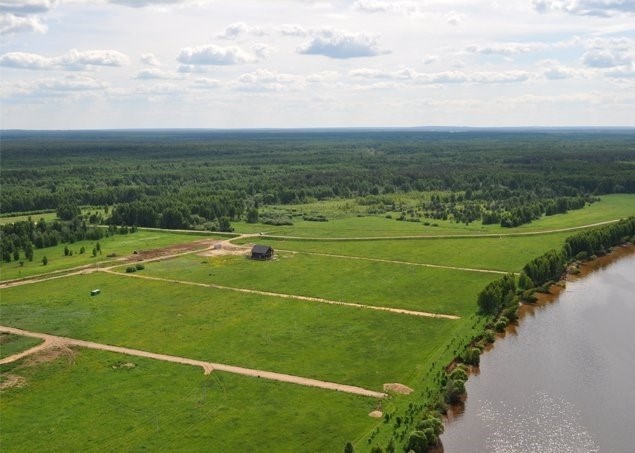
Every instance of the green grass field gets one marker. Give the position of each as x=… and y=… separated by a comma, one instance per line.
x=120, y=245
x=163, y=406
x=505, y=253
x=13, y=344
x=85, y=404
x=340, y=344
x=344, y=223
x=365, y=282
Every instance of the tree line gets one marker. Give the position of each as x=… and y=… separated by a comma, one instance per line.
x=185, y=179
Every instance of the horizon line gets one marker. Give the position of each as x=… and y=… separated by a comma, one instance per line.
x=326, y=128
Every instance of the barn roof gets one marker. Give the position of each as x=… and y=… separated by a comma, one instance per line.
x=260, y=249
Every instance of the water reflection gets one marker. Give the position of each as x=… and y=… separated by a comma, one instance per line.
x=562, y=383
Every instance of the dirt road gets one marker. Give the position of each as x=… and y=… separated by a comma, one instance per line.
x=208, y=367
x=407, y=263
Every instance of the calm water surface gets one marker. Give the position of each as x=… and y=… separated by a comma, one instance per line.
x=565, y=382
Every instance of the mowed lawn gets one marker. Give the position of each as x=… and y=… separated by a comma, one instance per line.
x=342, y=279
x=341, y=344
x=119, y=245
x=504, y=253
x=91, y=403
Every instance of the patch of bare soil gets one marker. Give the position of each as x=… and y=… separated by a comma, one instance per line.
x=376, y=414
x=224, y=249
x=142, y=255
x=9, y=381
x=123, y=366
x=50, y=354
x=397, y=388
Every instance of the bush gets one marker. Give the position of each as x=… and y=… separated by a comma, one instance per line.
x=489, y=336
x=458, y=374
x=581, y=256
x=131, y=269
x=471, y=356
x=501, y=324
x=139, y=267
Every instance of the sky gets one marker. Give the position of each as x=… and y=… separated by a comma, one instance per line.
x=109, y=64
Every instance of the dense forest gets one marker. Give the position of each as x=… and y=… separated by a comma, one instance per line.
x=205, y=179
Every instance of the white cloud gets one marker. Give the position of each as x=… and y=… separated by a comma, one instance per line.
x=11, y=24
x=72, y=61
x=214, y=55
x=155, y=73
x=507, y=48
x=144, y=3
x=262, y=51
x=293, y=30
x=263, y=80
x=342, y=44
x=323, y=77
x=236, y=29
x=150, y=59
x=54, y=87
x=602, y=8
x=429, y=59
x=443, y=77
x=25, y=7
x=206, y=83
x=454, y=18
x=160, y=89
x=192, y=69
x=608, y=53
x=598, y=58
x=80, y=59
x=553, y=70
x=24, y=60
x=385, y=6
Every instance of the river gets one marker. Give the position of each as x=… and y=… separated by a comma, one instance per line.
x=563, y=380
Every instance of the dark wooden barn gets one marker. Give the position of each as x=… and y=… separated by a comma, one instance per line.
x=261, y=252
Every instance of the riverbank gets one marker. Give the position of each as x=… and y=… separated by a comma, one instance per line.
x=514, y=369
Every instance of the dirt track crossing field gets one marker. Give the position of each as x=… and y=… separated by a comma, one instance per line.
x=292, y=296
x=208, y=367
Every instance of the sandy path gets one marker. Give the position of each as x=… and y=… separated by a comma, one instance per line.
x=290, y=296
x=408, y=263
x=208, y=367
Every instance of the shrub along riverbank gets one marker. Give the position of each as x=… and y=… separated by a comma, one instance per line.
x=498, y=304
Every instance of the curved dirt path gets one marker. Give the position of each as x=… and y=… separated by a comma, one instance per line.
x=208, y=367
x=290, y=296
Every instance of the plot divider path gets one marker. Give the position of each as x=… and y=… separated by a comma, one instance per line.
x=208, y=367
x=407, y=263
x=290, y=296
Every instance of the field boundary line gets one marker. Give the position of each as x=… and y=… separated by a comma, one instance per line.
x=208, y=367
x=402, y=311
x=408, y=263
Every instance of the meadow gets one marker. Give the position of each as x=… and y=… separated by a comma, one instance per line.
x=504, y=253
x=154, y=403
x=340, y=344
x=341, y=279
x=117, y=246
x=13, y=344
x=90, y=402
x=347, y=218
